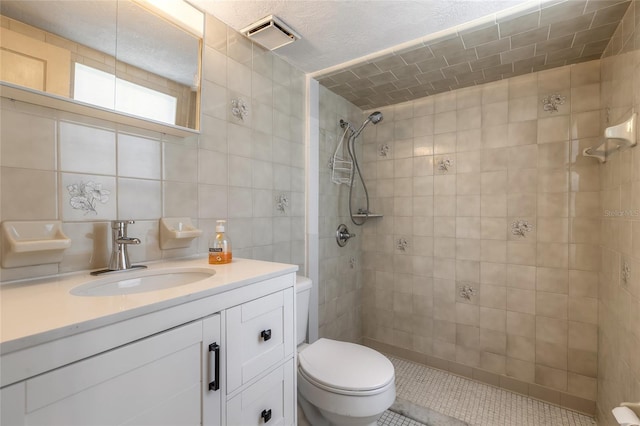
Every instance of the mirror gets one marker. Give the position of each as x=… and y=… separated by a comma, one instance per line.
x=128, y=56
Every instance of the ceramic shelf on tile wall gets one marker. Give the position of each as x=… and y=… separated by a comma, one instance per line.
x=177, y=232
x=622, y=135
x=31, y=243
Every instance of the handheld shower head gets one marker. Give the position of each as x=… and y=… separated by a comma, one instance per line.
x=374, y=117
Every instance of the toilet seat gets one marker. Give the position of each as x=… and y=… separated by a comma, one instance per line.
x=345, y=368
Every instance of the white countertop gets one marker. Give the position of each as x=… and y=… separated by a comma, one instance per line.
x=43, y=309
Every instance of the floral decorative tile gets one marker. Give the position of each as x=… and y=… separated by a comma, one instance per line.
x=88, y=197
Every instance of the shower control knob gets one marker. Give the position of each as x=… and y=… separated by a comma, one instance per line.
x=343, y=235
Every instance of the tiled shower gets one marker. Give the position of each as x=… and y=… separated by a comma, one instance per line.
x=495, y=257
x=504, y=254
x=499, y=212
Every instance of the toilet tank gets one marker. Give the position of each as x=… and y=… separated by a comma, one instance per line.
x=303, y=292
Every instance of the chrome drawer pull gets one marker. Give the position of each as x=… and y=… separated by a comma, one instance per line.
x=266, y=334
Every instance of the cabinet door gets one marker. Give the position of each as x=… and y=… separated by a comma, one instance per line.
x=153, y=381
x=259, y=336
x=12, y=404
x=212, y=368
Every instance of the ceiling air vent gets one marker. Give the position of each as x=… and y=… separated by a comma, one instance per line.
x=270, y=32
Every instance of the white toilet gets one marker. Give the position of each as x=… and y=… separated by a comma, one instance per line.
x=339, y=383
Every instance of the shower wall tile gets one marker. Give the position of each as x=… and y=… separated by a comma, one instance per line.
x=585, y=98
x=444, y=143
x=523, y=109
x=582, y=386
x=554, y=129
x=551, y=377
x=521, y=348
x=509, y=161
x=496, y=113
x=553, y=155
x=585, y=125
x=521, y=205
x=342, y=302
x=557, y=79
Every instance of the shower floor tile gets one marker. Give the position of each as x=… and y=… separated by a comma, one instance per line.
x=389, y=418
x=475, y=403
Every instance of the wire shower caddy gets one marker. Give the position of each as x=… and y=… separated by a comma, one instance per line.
x=341, y=168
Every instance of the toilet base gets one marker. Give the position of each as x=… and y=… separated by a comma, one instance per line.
x=309, y=415
x=331, y=409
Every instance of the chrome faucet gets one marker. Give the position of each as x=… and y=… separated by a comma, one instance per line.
x=119, y=242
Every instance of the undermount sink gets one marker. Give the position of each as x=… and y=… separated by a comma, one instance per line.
x=142, y=281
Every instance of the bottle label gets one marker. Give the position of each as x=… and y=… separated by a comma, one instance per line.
x=215, y=249
x=220, y=258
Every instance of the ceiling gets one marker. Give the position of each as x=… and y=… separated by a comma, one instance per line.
x=337, y=31
x=382, y=52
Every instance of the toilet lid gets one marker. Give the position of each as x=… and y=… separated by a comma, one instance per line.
x=345, y=366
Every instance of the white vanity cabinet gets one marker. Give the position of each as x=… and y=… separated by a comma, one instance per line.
x=158, y=380
x=260, y=356
x=224, y=359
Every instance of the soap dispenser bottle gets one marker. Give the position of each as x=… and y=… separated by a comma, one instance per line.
x=219, y=246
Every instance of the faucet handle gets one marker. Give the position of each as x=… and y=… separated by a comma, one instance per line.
x=121, y=224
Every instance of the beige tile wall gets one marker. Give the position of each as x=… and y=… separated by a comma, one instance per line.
x=234, y=169
x=463, y=169
x=339, y=291
x=619, y=295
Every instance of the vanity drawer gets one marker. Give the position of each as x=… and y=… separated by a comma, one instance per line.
x=268, y=401
x=259, y=336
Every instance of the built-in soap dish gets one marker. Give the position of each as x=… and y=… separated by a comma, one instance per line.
x=177, y=232
x=616, y=137
x=33, y=243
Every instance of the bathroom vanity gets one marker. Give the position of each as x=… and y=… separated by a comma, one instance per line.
x=216, y=351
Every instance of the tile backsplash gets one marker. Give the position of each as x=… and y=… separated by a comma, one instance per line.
x=87, y=172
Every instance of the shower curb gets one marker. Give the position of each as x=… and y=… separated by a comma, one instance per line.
x=423, y=414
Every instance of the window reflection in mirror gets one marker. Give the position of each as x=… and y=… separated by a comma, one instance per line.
x=130, y=56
